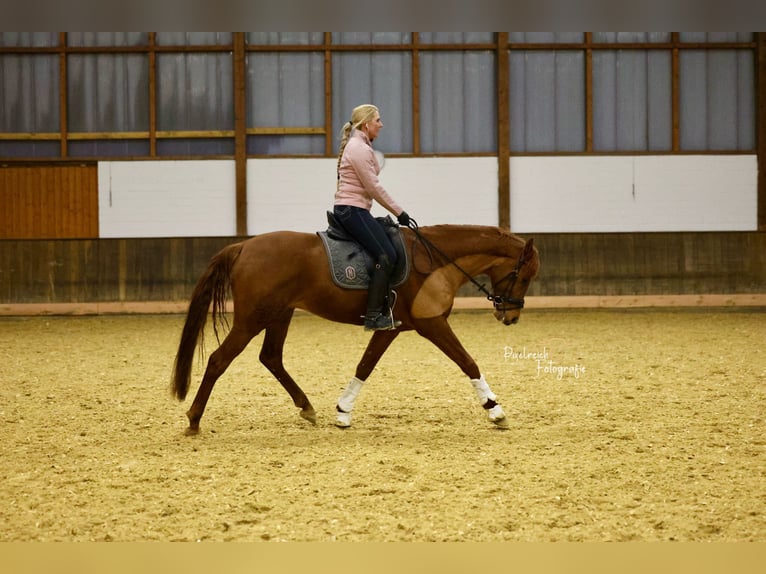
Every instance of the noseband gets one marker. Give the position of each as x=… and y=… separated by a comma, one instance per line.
x=499, y=301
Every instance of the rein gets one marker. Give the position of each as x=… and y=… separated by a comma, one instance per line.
x=499, y=301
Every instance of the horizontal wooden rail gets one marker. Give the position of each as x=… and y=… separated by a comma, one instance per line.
x=461, y=304
x=160, y=134
x=401, y=47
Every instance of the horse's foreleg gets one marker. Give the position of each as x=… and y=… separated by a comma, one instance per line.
x=271, y=357
x=378, y=344
x=487, y=399
x=438, y=331
x=219, y=361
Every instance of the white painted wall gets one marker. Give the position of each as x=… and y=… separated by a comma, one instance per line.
x=296, y=193
x=167, y=198
x=549, y=194
x=288, y=194
x=634, y=193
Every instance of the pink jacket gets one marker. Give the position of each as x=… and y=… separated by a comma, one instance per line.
x=359, y=184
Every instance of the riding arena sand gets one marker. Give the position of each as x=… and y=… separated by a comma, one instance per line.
x=624, y=425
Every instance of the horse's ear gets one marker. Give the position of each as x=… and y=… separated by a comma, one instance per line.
x=529, y=246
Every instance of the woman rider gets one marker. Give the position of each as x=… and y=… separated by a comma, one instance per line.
x=358, y=186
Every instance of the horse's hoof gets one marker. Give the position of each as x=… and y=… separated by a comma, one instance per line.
x=310, y=415
x=343, y=420
x=501, y=423
x=191, y=431
x=497, y=416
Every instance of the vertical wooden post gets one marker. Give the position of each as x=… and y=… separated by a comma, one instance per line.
x=240, y=132
x=588, y=92
x=415, y=94
x=152, y=94
x=675, y=94
x=503, y=132
x=328, y=111
x=760, y=141
x=63, y=119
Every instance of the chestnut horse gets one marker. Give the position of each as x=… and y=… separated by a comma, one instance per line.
x=273, y=274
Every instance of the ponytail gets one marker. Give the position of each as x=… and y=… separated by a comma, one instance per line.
x=345, y=134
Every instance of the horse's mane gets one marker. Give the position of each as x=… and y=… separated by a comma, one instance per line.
x=497, y=240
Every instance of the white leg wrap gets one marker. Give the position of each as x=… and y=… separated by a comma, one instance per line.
x=483, y=392
x=347, y=399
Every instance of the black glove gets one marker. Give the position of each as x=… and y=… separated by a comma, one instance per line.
x=403, y=218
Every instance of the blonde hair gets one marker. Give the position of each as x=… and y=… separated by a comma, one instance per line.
x=360, y=115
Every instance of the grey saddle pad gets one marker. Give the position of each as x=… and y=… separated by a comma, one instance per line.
x=350, y=265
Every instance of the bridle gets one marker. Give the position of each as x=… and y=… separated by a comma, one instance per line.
x=498, y=301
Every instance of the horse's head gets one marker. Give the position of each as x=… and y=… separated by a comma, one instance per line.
x=510, y=281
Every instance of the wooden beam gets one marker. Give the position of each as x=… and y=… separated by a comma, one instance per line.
x=157, y=134
x=588, y=93
x=240, y=131
x=503, y=132
x=328, y=45
x=289, y=131
x=125, y=307
x=63, y=105
x=82, y=136
x=675, y=95
x=761, y=128
x=415, y=94
x=328, y=111
x=29, y=136
x=152, y=95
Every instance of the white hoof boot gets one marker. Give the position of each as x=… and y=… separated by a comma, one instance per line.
x=497, y=416
x=483, y=392
x=342, y=420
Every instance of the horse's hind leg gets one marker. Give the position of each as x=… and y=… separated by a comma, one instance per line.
x=271, y=357
x=219, y=361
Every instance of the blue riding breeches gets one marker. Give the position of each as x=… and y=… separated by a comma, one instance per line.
x=369, y=232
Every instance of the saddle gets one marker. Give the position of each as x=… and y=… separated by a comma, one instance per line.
x=350, y=265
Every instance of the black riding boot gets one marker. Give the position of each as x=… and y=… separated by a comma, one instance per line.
x=379, y=317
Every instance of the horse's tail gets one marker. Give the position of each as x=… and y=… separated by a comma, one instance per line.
x=212, y=287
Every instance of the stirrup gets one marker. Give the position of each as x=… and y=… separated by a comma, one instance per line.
x=381, y=322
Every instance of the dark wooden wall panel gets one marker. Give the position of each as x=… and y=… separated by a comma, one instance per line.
x=651, y=263
x=103, y=270
x=48, y=202
x=166, y=269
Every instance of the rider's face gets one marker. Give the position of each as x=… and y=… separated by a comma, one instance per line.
x=373, y=127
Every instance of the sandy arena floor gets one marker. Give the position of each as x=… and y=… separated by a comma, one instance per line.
x=624, y=425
